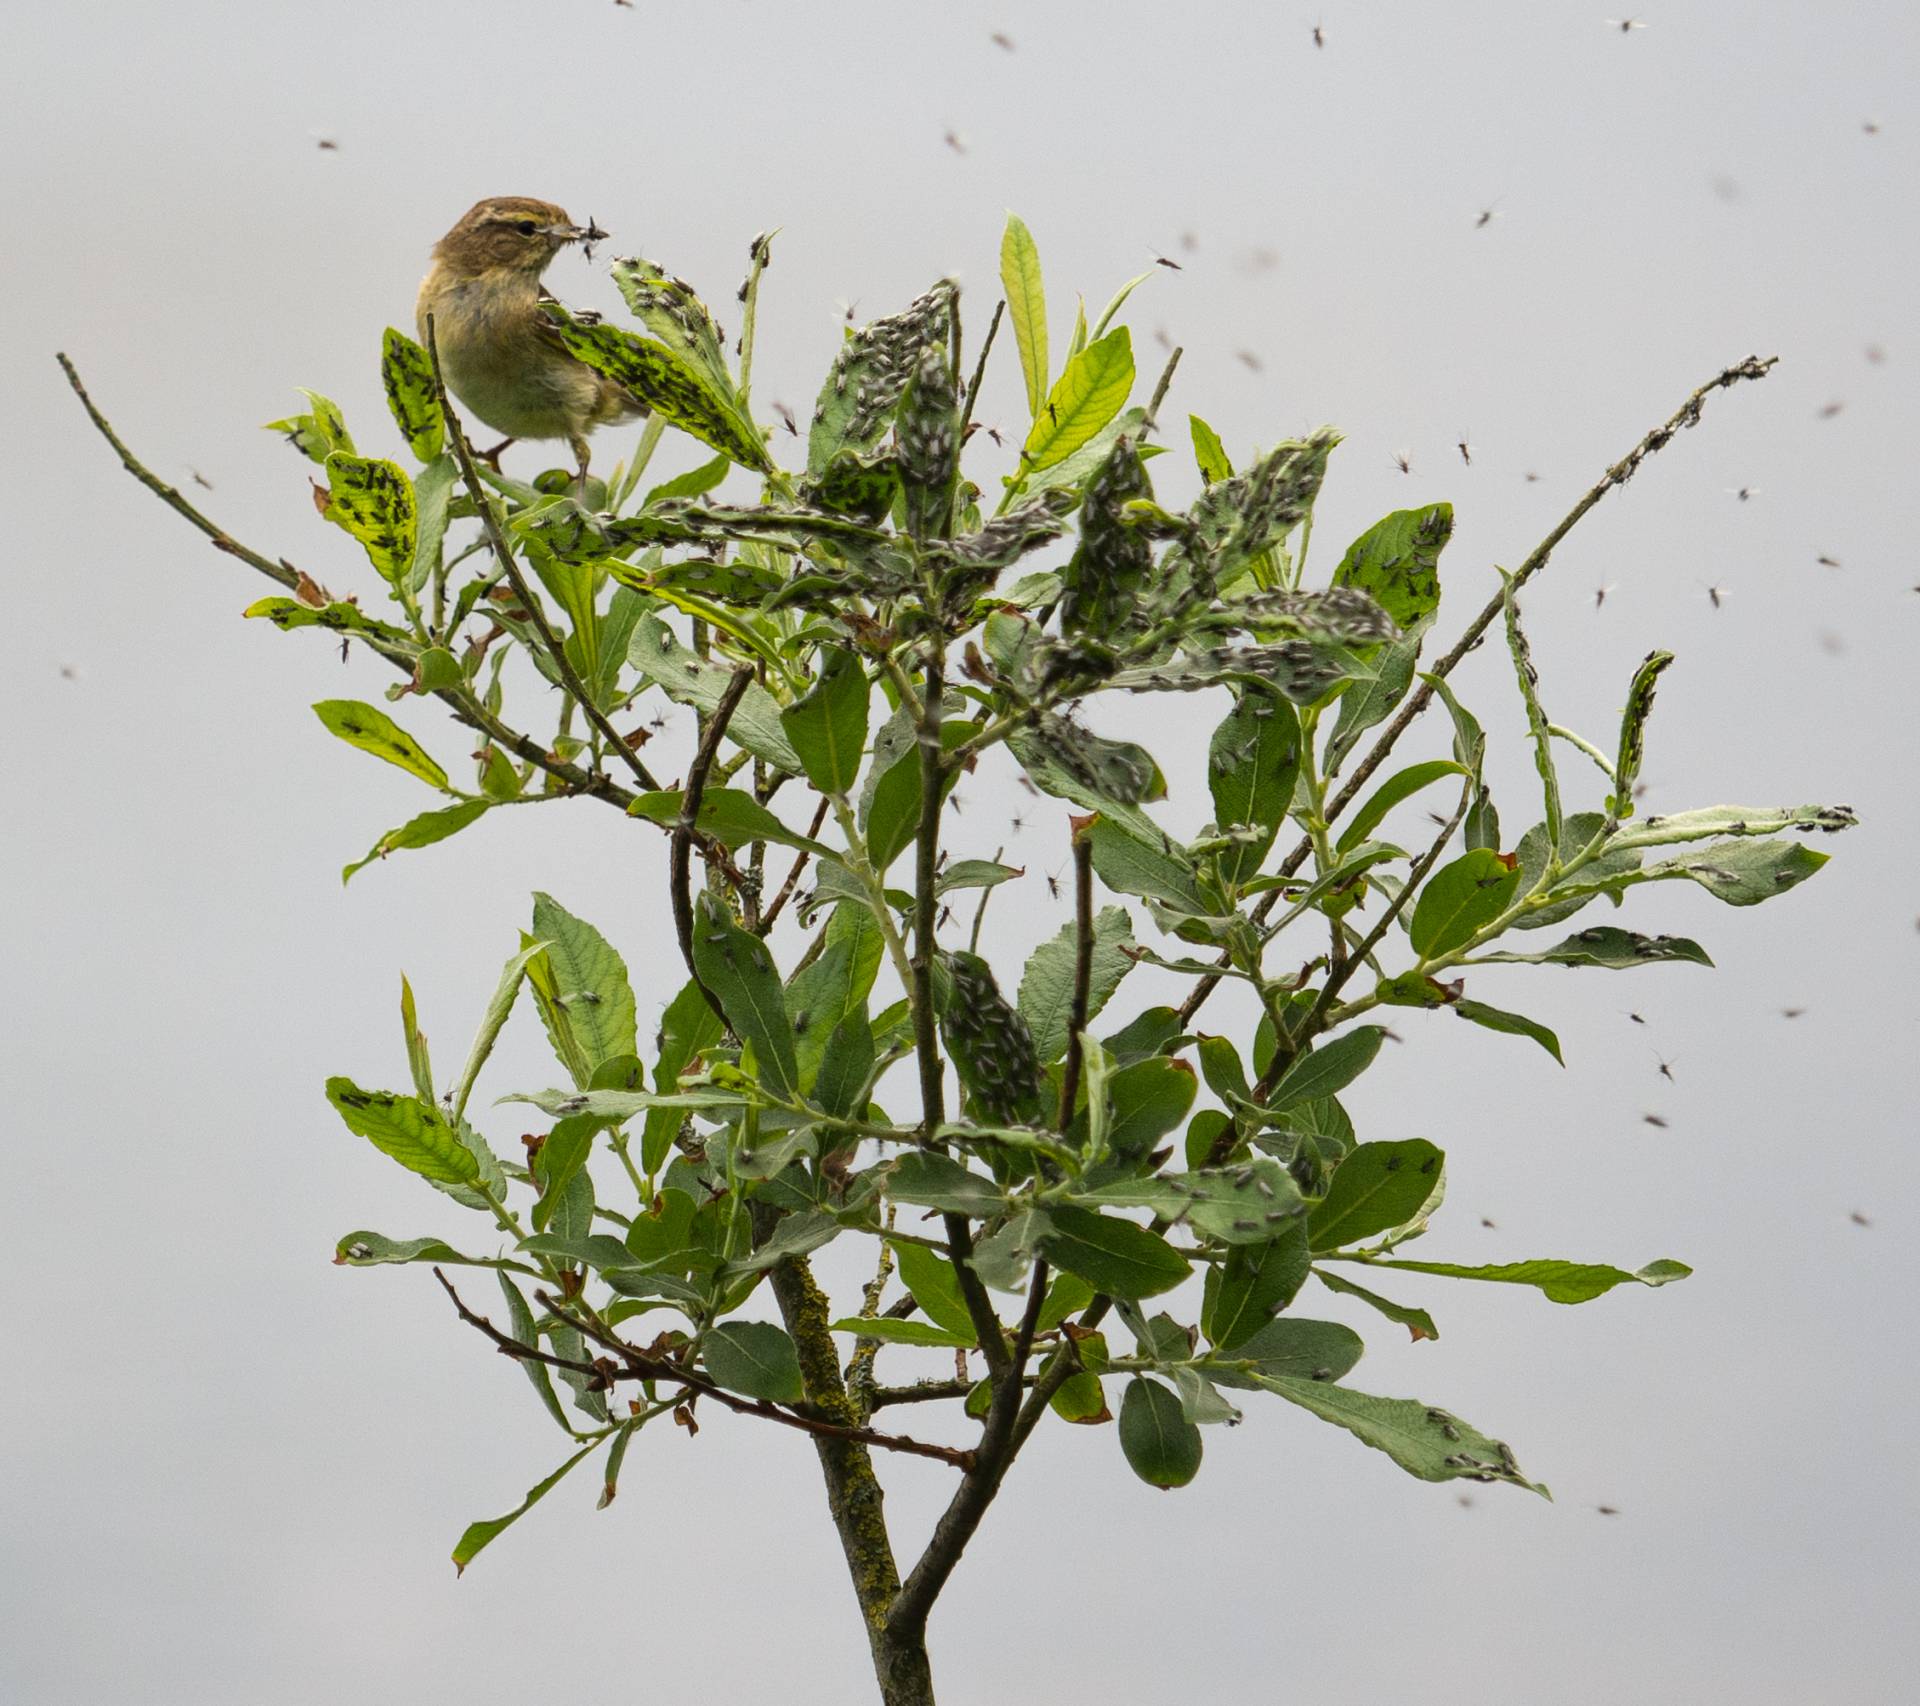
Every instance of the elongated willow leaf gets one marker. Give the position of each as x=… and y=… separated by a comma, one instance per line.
x=1026, y=307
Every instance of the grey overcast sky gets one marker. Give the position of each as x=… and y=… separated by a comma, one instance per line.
x=234, y=1471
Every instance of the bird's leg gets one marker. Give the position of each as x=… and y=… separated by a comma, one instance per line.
x=492, y=457
x=580, y=456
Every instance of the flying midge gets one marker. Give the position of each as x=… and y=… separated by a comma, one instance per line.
x=954, y=140
x=1249, y=360
x=1170, y=265
x=1465, y=449
x=1717, y=594
x=1487, y=216
x=1600, y=593
x=1403, y=460
x=1623, y=25
x=1859, y=1219
x=1319, y=36
x=1608, y=1510
x=1657, y=1121
x=1828, y=562
x=786, y=418
x=1745, y=493
x=1635, y=1017
x=1829, y=410
x=1053, y=885
x=1666, y=1069
x=1791, y=1012
x=1002, y=40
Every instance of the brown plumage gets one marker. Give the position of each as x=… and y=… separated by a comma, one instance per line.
x=499, y=354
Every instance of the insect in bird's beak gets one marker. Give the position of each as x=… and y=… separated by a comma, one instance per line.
x=585, y=235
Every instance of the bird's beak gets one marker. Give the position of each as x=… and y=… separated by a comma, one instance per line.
x=560, y=235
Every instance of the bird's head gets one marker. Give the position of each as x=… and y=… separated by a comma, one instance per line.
x=512, y=234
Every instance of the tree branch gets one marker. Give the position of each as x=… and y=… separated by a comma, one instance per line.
x=556, y=648
x=1082, y=976
x=680, y=855
x=1688, y=414
x=643, y=1367
x=465, y=706
x=793, y=876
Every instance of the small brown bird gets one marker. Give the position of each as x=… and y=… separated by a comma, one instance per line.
x=499, y=353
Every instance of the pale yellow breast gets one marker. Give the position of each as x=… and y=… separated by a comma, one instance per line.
x=497, y=363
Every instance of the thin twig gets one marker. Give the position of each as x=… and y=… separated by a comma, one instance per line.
x=643, y=1367
x=980, y=371
x=284, y=573
x=465, y=706
x=793, y=876
x=1688, y=414
x=1152, y=421
x=680, y=856
x=512, y=1347
x=556, y=648
x=1082, y=976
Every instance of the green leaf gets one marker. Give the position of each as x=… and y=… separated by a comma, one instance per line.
x=1080, y=1398
x=316, y=435
x=1513, y=1024
x=1418, y=1323
x=869, y=373
x=339, y=617
x=407, y=375
x=694, y=483
x=833, y=987
x=893, y=814
x=1424, y=1441
x=421, y=831
x=1559, y=1282
x=1090, y=391
x=374, y=1249
x=895, y=1332
x=374, y=731
x=521, y=1327
x=1537, y=723
x=935, y=1286
x=934, y=1181
x=975, y=874
x=730, y=815
x=1113, y=1256
x=1460, y=899
x=481, y=1534
x=1253, y=762
x=1208, y=452
x=1741, y=873
x=1712, y=821
x=1254, y=1283
x=1291, y=1346
x=1162, y=1447
x=1026, y=307
x=1073, y=763
x=828, y=728
x=1155, y=871
x=666, y=382
x=1376, y=1188
x=413, y=1132
x=1588, y=884
x=1327, y=1069
x=1397, y=560
x=373, y=500
x=687, y=1026
x=1146, y=1101
x=1633, y=729
x=1251, y=1204
x=416, y=1041
x=689, y=679
x=1607, y=945
x=1250, y=513
x=1369, y=703
x=1046, y=985
x=668, y=308
x=1469, y=739
x=755, y=1359
x=739, y=970
x=1002, y=1258
x=1401, y=785
x=590, y=982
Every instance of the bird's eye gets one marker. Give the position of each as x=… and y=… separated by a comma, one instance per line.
x=526, y=228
